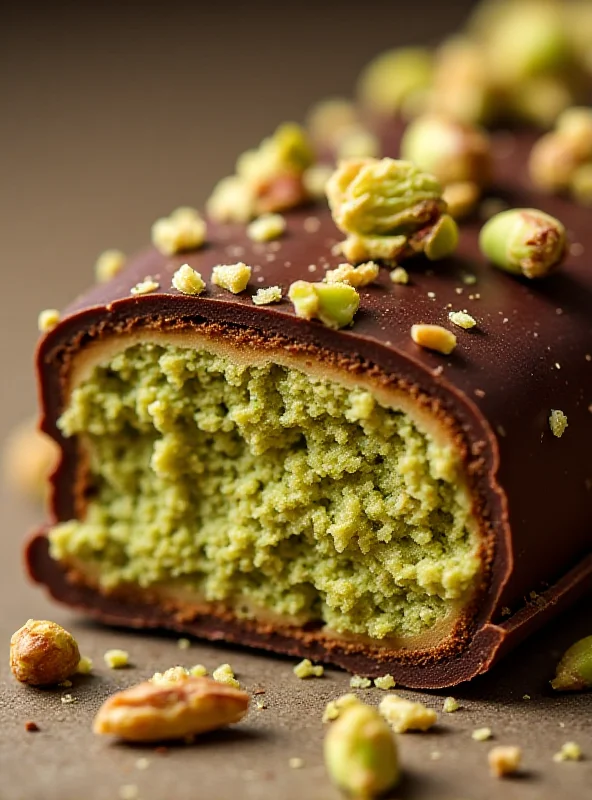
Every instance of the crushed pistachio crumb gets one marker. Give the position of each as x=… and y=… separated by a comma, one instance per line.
x=468, y=279
x=357, y=277
x=296, y=763
x=116, y=659
x=526, y=697
x=557, y=423
x=481, y=734
x=400, y=275
x=198, y=671
x=305, y=669
x=146, y=286
x=48, y=319
x=434, y=337
x=108, y=265
x=405, y=715
x=270, y=294
x=65, y=684
x=357, y=682
x=84, y=666
x=142, y=763
x=266, y=227
x=504, y=760
x=67, y=699
x=451, y=705
x=188, y=281
x=233, y=277
x=184, y=229
x=570, y=751
x=385, y=682
x=334, y=707
x=462, y=319
x=183, y=644
x=225, y=674
x=334, y=304
x=176, y=674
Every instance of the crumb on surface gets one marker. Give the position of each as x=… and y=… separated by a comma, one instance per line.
x=85, y=666
x=233, y=277
x=108, y=265
x=142, y=763
x=267, y=295
x=32, y=727
x=481, y=734
x=116, y=659
x=175, y=674
x=358, y=682
x=183, y=644
x=334, y=707
x=48, y=320
x=296, y=763
x=305, y=669
x=147, y=286
x=468, y=279
x=433, y=337
x=188, y=281
x=67, y=699
x=451, y=705
x=225, y=674
x=570, y=751
x=462, y=319
x=359, y=276
x=504, y=760
x=405, y=715
x=184, y=229
x=266, y=228
x=385, y=682
x=399, y=275
x=557, y=423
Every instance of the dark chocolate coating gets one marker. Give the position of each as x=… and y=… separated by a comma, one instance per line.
x=531, y=352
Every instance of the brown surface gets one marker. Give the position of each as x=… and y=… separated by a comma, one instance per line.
x=98, y=139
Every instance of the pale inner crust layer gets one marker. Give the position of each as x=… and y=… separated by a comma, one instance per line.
x=276, y=488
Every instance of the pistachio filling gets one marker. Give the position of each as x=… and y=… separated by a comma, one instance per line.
x=262, y=487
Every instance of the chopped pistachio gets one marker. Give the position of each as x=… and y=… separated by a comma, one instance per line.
x=84, y=666
x=305, y=669
x=363, y=248
x=442, y=240
x=396, y=80
x=358, y=682
x=116, y=659
x=451, y=705
x=361, y=753
x=504, y=760
x=147, y=286
x=405, y=715
x=232, y=200
x=334, y=304
x=385, y=682
x=358, y=143
x=329, y=119
x=108, y=265
x=270, y=294
x=434, y=337
x=172, y=675
x=233, y=277
x=574, y=671
x=481, y=734
x=334, y=707
x=357, y=277
x=183, y=644
x=266, y=227
x=557, y=423
x=399, y=275
x=524, y=241
x=570, y=751
x=462, y=319
x=461, y=198
x=188, y=281
x=67, y=699
x=198, y=671
x=224, y=674
x=48, y=320
x=183, y=229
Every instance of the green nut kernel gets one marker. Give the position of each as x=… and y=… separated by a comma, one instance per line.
x=361, y=753
x=442, y=239
x=524, y=241
x=574, y=671
x=396, y=79
x=539, y=100
x=452, y=151
x=334, y=304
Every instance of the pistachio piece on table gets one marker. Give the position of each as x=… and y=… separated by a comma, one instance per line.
x=574, y=671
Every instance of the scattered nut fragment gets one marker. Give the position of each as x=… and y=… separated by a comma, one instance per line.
x=385, y=682
x=405, y=715
x=329, y=119
x=570, y=751
x=116, y=659
x=184, y=229
x=108, y=265
x=224, y=674
x=334, y=707
x=481, y=734
x=270, y=294
x=399, y=275
x=305, y=669
x=357, y=277
x=183, y=644
x=357, y=142
x=434, y=337
x=48, y=320
x=67, y=699
x=147, y=286
x=524, y=241
x=233, y=277
x=175, y=674
x=397, y=80
x=557, y=422
x=42, y=653
x=334, y=304
x=28, y=459
x=361, y=753
x=84, y=666
x=233, y=200
x=315, y=181
x=574, y=671
x=152, y=712
x=358, y=682
x=188, y=281
x=266, y=227
x=462, y=319
x=451, y=705
x=504, y=760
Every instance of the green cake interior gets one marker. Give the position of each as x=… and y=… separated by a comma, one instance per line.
x=267, y=489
